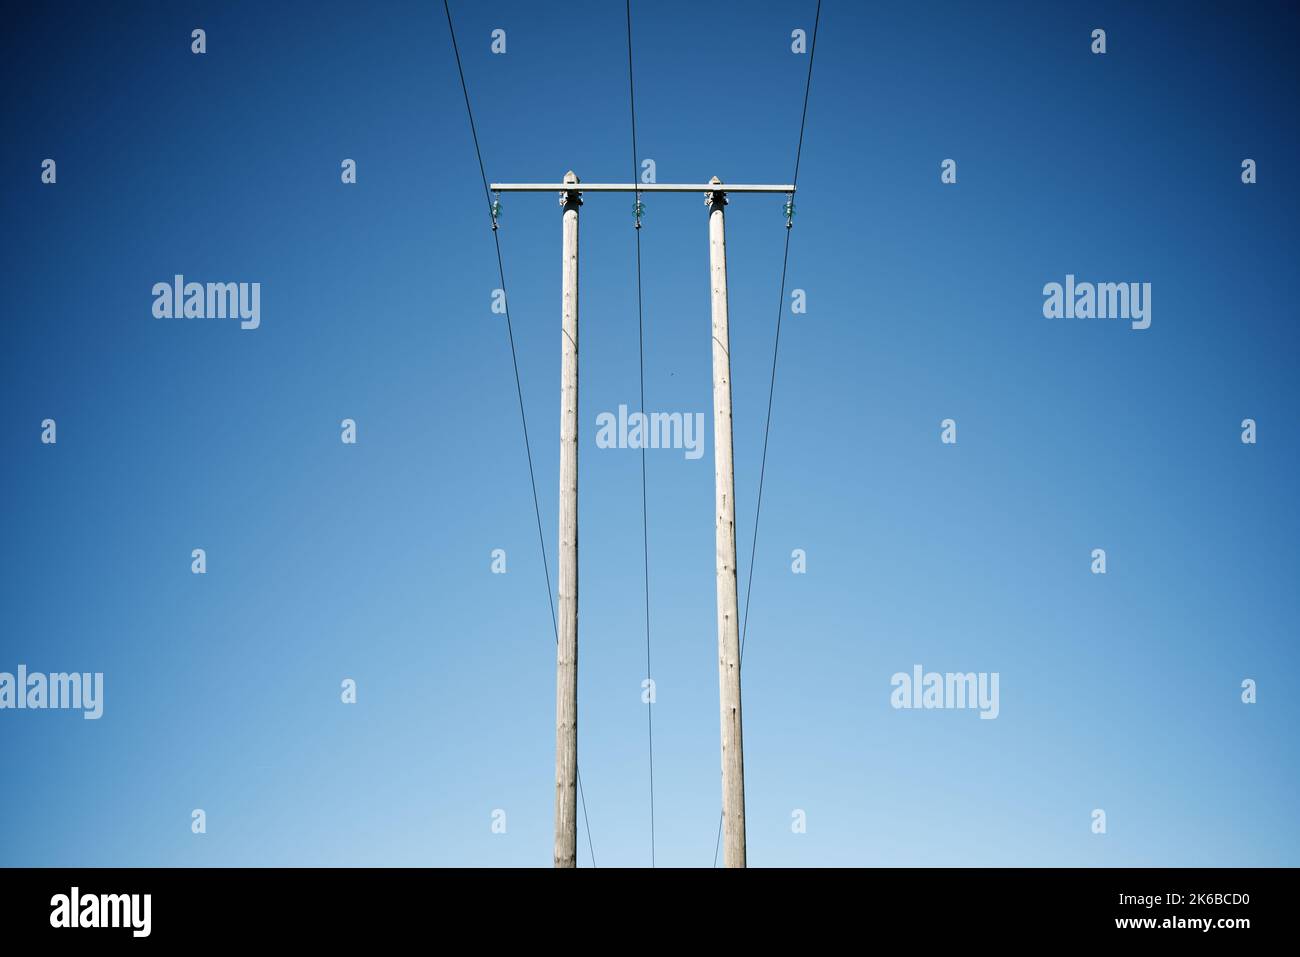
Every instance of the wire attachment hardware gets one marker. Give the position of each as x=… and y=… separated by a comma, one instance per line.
x=495, y=209
x=638, y=210
x=789, y=210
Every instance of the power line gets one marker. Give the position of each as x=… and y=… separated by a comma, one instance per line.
x=645, y=526
x=771, y=389
x=514, y=358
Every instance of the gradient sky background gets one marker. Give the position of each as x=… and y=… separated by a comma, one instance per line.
x=372, y=561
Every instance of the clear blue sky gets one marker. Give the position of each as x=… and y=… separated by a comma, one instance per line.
x=372, y=561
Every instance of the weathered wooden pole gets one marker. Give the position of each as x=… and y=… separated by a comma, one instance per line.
x=566, y=654
x=724, y=472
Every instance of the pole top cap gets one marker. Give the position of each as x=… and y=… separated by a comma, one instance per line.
x=715, y=199
x=570, y=196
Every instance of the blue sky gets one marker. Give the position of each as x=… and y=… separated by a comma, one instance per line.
x=372, y=561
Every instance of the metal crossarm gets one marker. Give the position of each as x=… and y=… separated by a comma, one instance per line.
x=636, y=188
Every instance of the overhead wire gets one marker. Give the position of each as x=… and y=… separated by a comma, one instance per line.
x=637, y=210
x=494, y=211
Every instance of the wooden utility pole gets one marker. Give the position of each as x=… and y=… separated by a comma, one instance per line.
x=566, y=704
x=724, y=475
x=566, y=652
